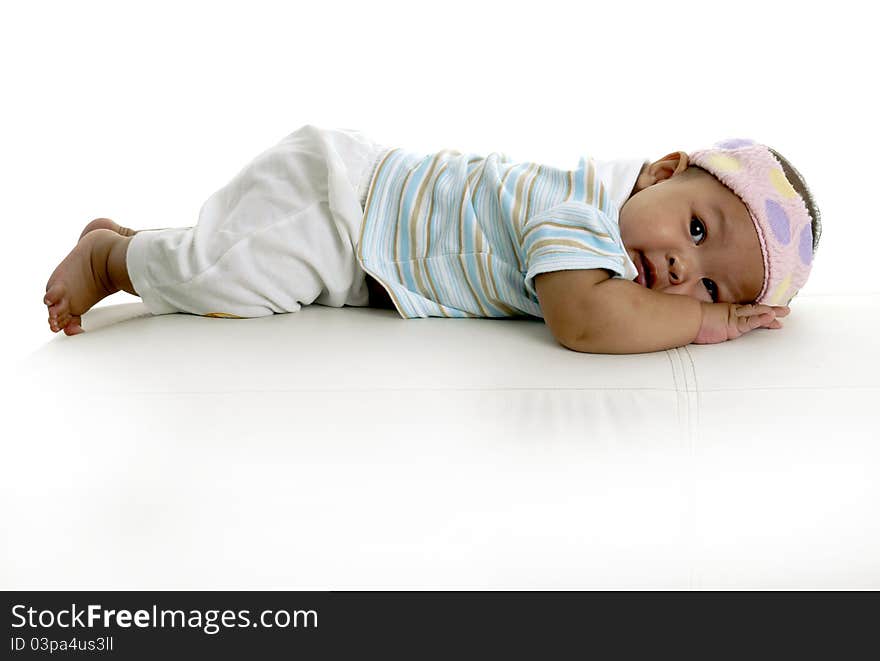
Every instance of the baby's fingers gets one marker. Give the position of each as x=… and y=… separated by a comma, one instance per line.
x=767, y=319
x=756, y=309
x=746, y=323
x=781, y=310
x=753, y=310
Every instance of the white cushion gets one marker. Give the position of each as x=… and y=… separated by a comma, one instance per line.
x=347, y=448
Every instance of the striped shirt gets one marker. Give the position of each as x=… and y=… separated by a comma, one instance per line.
x=463, y=235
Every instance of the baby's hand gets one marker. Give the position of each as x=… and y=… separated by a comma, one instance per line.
x=727, y=321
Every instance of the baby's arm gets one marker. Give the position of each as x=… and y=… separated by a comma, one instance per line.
x=589, y=311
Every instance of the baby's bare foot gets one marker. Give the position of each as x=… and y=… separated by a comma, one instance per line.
x=107, y=224
x=81, y=280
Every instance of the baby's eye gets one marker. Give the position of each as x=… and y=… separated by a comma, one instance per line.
x=712, y=289
x=696, y=222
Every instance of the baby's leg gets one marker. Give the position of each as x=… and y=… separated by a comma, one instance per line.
x=93, y=270
x=281, y=234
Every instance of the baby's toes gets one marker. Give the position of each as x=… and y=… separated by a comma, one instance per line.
x=63, y=319
x=56, y=298
x=59, y=309
x=74, y=326
x=54, y=293
x=58, y=323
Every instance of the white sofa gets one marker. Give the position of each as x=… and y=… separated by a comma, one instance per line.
x=350, y=449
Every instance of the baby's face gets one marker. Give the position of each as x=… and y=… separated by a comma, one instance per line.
x=695, y=232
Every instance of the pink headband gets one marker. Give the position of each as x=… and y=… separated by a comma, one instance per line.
x=780, y=215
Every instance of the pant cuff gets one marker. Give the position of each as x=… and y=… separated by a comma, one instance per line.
x=137, y=263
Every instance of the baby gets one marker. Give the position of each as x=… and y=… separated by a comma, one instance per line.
x=599, y=253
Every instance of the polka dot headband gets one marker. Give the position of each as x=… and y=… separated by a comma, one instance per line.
x=780, y=215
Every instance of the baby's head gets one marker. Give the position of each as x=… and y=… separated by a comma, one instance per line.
x=735, y=223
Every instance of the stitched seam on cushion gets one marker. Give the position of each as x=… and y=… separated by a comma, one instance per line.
x=696, y=388
x=668, y=353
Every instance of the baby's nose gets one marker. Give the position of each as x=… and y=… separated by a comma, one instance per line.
x=674, y=276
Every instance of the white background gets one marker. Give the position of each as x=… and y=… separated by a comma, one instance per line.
x=138, y=112
x=146, y=479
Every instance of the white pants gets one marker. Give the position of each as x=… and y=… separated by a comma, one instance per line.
x=282, y=234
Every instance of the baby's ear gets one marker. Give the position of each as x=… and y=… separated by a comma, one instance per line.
x=669, y=166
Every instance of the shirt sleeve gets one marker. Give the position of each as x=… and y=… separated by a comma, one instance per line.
x=573, y=235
